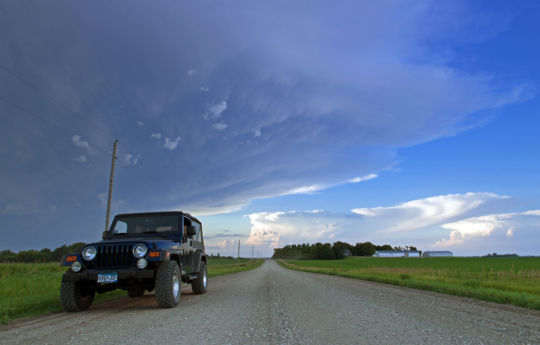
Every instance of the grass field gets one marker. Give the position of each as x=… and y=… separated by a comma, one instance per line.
x=220, y=266
x=507, y=280
x=33, y=289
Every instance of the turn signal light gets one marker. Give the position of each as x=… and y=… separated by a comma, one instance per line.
x=154, y=254
x=71, y=258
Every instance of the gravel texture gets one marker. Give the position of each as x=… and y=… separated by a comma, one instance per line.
x=273, y=305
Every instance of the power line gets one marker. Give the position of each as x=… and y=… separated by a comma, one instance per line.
x=59, y=104
x=50, y=123
x=104, y=130
x=69, y=134
x=51, y=98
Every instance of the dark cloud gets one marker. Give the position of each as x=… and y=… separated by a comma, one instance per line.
x=295, y=94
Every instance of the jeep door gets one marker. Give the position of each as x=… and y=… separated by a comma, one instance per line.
x=186, y=247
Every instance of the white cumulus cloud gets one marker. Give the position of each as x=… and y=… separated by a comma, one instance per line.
x=215, y=110
x=220, y=126
x=273, y=229
x=430, y=211
x=130, y=159
x=484, y=226
x=422, y=222
x=305, y=189
x=77, y=141
x=171, y=144
x=80, y=159
x=363, y=178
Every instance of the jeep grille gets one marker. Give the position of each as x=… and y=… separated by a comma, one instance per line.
x=114, y=255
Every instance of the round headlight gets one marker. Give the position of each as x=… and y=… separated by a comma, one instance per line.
x=76, y=266
x=141, y=263
x=89, y=253
x=139, y=251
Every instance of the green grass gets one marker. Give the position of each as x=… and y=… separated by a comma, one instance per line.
x=33, y=289
x=219, y=267
x=503, y=280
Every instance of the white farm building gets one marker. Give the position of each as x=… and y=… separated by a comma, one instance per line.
x=436, y=253
x=397, y=254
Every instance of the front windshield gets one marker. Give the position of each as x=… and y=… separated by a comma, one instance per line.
x=141, y=225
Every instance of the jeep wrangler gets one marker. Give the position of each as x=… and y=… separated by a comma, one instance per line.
x=140, y=252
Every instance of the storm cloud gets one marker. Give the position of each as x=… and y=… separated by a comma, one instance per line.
x=254, y=99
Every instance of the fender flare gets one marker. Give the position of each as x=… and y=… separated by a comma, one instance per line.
x=197, y=258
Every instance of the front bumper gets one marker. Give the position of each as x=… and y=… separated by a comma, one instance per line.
x=123, y=274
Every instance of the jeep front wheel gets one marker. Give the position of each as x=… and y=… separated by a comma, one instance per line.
x=168, y=287
x=75, y=296
x=199, y=285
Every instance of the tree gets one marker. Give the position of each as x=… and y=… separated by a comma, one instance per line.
x=384, y=247
x=7, y=256
x=365, y=249
x=45, y=255
x=339, y=249
x=28, y=256
x=327, y=251
x=59, y=253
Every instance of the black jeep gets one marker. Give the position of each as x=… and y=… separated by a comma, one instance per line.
x=141, y=251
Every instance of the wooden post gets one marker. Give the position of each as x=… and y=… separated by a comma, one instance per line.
x=111, y=186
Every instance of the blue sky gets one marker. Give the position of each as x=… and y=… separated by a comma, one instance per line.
x=276, y=123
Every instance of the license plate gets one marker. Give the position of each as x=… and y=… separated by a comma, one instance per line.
x=107, y=278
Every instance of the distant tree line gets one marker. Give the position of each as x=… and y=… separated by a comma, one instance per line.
x=44, y=255
x=218, y=256
x=327, y=251
x=495, y=255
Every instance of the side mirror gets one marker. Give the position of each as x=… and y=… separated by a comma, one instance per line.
x=191, y=231
x=104, y=235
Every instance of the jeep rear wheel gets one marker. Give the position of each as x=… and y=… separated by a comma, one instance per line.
x=199, y=285
x=168, y=288
x=75, y=296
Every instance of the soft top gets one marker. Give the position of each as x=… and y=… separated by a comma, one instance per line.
x=179, y=213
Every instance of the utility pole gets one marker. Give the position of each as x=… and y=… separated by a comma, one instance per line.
x=238, y=257
x=110, y=186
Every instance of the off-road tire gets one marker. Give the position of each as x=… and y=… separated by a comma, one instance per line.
x=199, y=285
x=135, y=291
x=76, y=297
x=168, y=284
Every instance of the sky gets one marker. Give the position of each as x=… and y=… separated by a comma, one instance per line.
x=274, y=122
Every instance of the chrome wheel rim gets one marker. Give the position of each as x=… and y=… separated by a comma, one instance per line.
x=176, y=286
x=204, y=278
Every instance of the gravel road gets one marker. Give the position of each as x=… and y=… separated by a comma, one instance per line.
x=273, y=305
